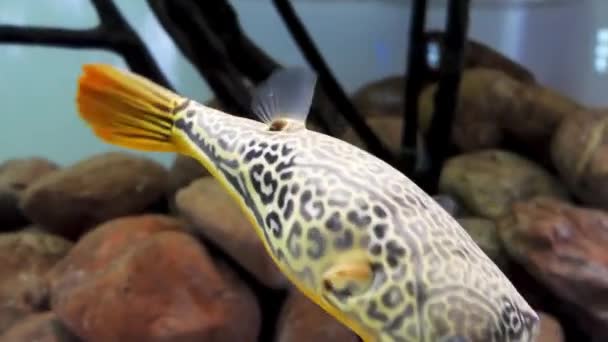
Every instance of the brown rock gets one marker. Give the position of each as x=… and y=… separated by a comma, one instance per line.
x=488, y=182
x=580, y=154
x=94, y=190
x=150, y=282
x=25, y=257
x=564, y=247
x=479, y=55
x=476, y=120
x=484, y=233
x=301, y=320
x=9, y=315
x=387, y=128
x=41, y=327
x=550, y=329
x=383, y=97
x=213, y=213
x=183, y=171
x=494, y=109
x=15, y=176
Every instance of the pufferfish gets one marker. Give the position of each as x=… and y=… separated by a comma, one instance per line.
x=352, y=233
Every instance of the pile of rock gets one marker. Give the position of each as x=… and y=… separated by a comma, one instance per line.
x=92, y=252
x=118, y=248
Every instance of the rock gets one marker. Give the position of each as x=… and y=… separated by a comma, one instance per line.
x=301, y=320
x=183, y=171
x=449, y=204
x=489, y=181
x=96, y=249
x=11, y=216
x=484, y=233
x=25, y=257
x=550, y=329
x=383, y=97
x=144, y=279
x=41, y=327
x=387, y=128
x=94, y=190
x=213, y=213
x=580, y=154
x=476, y=119
x=495, y=110
x=15, y=176
x=478, y=55
x=564, y=247
x=9, y=315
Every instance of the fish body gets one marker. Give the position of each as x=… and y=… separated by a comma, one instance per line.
x=352, y=233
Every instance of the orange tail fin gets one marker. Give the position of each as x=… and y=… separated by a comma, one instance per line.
x=127, y=110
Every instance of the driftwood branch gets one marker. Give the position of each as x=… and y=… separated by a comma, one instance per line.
x=210, y=37
x=446, y=97
x=329, y=82
x=113, y=33
x=188, y=26
x=416, y=65
x=221, y=36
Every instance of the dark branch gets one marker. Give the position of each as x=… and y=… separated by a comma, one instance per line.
x=328, y=81
x=256, y=65
x=234, y=50
x=446, y=97
x=125, y=41
x=10, y=34
x=188, y=26
x=243, y=53
x=113, y=33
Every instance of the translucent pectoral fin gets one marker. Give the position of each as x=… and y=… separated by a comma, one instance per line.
x=350, y=276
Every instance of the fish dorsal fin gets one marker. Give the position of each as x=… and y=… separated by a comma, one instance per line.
x=284, y=96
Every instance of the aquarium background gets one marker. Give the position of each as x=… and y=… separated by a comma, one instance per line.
x=565, y=43
x=101, y=243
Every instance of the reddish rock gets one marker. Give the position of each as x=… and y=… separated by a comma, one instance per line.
x=564, y=247
x=302, y=320
x=213, y=213
x=144, y=279
x=96, y=249
x=94, y=190
x=41, y=327
x=15, y=176
x=25, y=257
